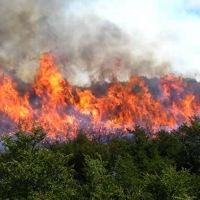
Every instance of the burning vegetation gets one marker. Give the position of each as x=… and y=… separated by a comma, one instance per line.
x=104, y=108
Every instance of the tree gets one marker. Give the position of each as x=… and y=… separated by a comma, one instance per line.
x=169, y=184
x=29, y=171
x=128, y=177
x=191, y=144
x=99, y=183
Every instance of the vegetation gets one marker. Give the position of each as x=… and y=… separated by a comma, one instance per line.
x=166, y=167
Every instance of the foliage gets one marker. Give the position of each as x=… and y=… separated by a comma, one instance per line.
x=28, y=171
x=100, y=184
x=140, y=168
x=191, y=144
x=169, y=184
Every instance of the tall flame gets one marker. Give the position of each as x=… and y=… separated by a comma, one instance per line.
x=61, y=108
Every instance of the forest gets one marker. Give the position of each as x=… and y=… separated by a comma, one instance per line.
x=141, y=167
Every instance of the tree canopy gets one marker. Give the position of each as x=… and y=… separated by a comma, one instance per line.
x=141, y=167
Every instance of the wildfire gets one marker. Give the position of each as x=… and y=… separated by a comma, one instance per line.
x=61, y=108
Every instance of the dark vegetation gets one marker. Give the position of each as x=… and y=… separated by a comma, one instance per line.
x=166, y=167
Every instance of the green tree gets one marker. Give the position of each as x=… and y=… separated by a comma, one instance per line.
x=191, y=144
x=171, y=147
x=128, y=177
x=145, y=152
x=100, y=184
x=78, y=148
x=169, y=184
x=29, y=171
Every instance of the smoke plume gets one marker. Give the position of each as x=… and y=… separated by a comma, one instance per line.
x=88, y=47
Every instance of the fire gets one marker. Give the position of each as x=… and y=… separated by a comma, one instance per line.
x=62, y=109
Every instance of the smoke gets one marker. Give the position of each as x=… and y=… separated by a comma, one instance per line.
x=89, y=46
x=25, y=33
x=172, y=26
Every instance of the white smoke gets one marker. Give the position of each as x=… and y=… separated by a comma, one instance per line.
x=148, y=37
x=172, y=26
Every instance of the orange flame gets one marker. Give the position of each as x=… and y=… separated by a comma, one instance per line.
x=61, y=109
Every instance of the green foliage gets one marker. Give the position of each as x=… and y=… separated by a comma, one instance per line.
x=141, y=168
x=79, y=147
x=22, y=141
x=128, y=177
x=191, y=144
x=28, y=171
x=169, y=184
x=146, y=154
x=99, y=183
x=116, y=148
x=171, y=147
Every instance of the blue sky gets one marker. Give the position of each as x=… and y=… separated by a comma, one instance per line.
x=170, y=28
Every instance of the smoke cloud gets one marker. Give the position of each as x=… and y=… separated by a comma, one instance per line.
x=89, y=44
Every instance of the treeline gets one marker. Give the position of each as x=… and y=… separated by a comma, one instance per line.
x=166, y=167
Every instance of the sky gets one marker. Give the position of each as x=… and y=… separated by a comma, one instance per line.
x=171, y=28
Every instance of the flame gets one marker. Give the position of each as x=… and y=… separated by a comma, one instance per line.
x=62, y=109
